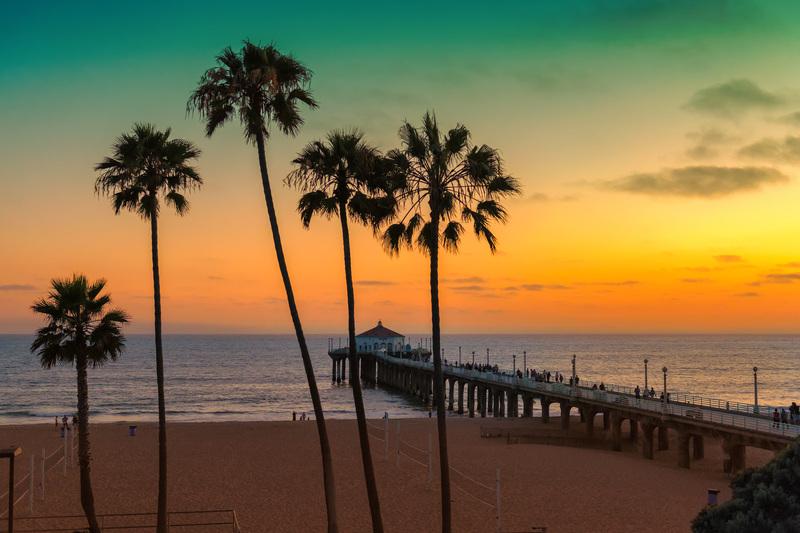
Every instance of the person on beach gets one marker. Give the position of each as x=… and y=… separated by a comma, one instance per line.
x=294, y=416
x=74, y=422
x=56, y=421
x=65, y=421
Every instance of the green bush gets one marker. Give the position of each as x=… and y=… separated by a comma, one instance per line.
x=765, y=499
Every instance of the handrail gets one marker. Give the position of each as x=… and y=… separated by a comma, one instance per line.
x=101, y=517
x=704, y=411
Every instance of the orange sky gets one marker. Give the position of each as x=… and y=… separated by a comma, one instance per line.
x=658, y=167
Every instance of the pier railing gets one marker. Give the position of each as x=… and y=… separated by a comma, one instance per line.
x=732, y=414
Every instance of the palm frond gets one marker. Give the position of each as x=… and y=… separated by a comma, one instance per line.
x=451, y=236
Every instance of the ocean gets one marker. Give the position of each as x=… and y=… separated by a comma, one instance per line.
x=261, y=377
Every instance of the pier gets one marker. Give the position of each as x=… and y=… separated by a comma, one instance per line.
x=486, y=394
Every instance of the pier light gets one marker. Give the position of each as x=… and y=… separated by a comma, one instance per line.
x=514, y=369
x=664, y=402
x=525, y=361
x=645, y=375
x=755, y=383
x=574, y=385
x=11, y=453
x=487, y=356
x=473, y=359
x=459, y=357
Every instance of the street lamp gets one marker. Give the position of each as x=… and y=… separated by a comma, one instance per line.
x=574, y=385
x=645, y=377
x=664, y=403
x=525, y=361
x=755, y=380
x=487, y=356
x=11, y=453
x=459, y=357
x=514, y=370
x=473, y=359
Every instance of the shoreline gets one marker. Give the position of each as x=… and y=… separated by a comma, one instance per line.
x=270, y=473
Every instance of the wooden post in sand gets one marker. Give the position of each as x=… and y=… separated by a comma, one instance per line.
x=43, y=460
x=498, y=508
x=72, y=446
x=30, y=487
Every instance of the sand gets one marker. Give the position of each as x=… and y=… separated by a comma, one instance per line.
x=270, y=474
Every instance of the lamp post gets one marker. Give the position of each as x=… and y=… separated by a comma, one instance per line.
x=514, y=370
x=574, y=385
x=755, y=383
x=645, y=376
x=11, y=453
x=473, y=359
x=525, y=361
x=459, y=357
x=487, y=356
x=664, y=403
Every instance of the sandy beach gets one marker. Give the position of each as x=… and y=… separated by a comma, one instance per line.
x=270, y=474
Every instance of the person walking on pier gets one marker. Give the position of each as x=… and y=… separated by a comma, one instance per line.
x=776, y=418
x=637, y=392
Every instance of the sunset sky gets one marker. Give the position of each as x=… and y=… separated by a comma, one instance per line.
x=657, y=143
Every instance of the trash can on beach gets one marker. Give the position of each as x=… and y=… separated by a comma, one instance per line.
x=133, y=431
x=712, y=497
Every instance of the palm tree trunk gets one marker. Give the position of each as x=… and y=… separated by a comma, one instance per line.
x=438, y=380
x=327, y=464
x=355, y=382
x=87, y=496
x=161, y=518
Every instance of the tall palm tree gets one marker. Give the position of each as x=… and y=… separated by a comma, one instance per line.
x=260, y=86
x=338, y=177
x=458, y=181
x=146, y=169
x=79, y=331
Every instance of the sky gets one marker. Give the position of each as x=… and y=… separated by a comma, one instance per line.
x=657, y=144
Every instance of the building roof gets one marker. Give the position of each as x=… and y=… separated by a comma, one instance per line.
x=380, y=331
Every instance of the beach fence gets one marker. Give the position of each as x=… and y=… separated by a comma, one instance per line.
x=216, y=521
x=67, y=449
x=491, y=497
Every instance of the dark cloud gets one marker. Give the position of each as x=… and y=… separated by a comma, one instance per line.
x=697, y=181
x=611, y=283
x=374, y=283
x=781, y=278
x=17, y=288
x=747, y=294
x=726, y=258
x=541, y=197
x=697, y=280
x=773, y=150
x=793, y=264
x=732, y=98
x=793, y=119
x=539, y=287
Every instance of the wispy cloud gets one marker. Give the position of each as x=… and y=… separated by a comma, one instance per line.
x=793, y=119
x=793, y=264
x=216, y=278
x=17, y=288
x=469, y=288
x=374, y=282
x=697, y=181
x=726, y=258
x=773, y=150
x=473, y=279
x=784, y=279
x=539, y=287
x=732, y=98
x=707, y=142
x=697, y=269
x=747, y=294
x=697, y=280
x=542, y=197
x=610, y=283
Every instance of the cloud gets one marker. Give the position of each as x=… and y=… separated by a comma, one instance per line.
x=793, y=264
x=793, y=119
x=697, y=269
x=697, y=181
x=781, y=278
x=611, y=283
x=469, y=288
x=215, y=278
x=773, y=150
x=747, y=294
x=374, y=283
x=510, y=288
x=706, y=142
x=725, y=258
x=697, y=280
x=17, y=288
x=553, y=78
x=539, y=287
x=473, y=279
x=732, y=98
x=541, y=197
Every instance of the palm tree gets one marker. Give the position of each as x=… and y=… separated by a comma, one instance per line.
x=458, y=180
x=79, y=332
x=338, y=176
x=147, y=164
x=260, y=86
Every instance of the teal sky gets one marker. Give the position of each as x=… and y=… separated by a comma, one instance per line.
x=573, y=93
